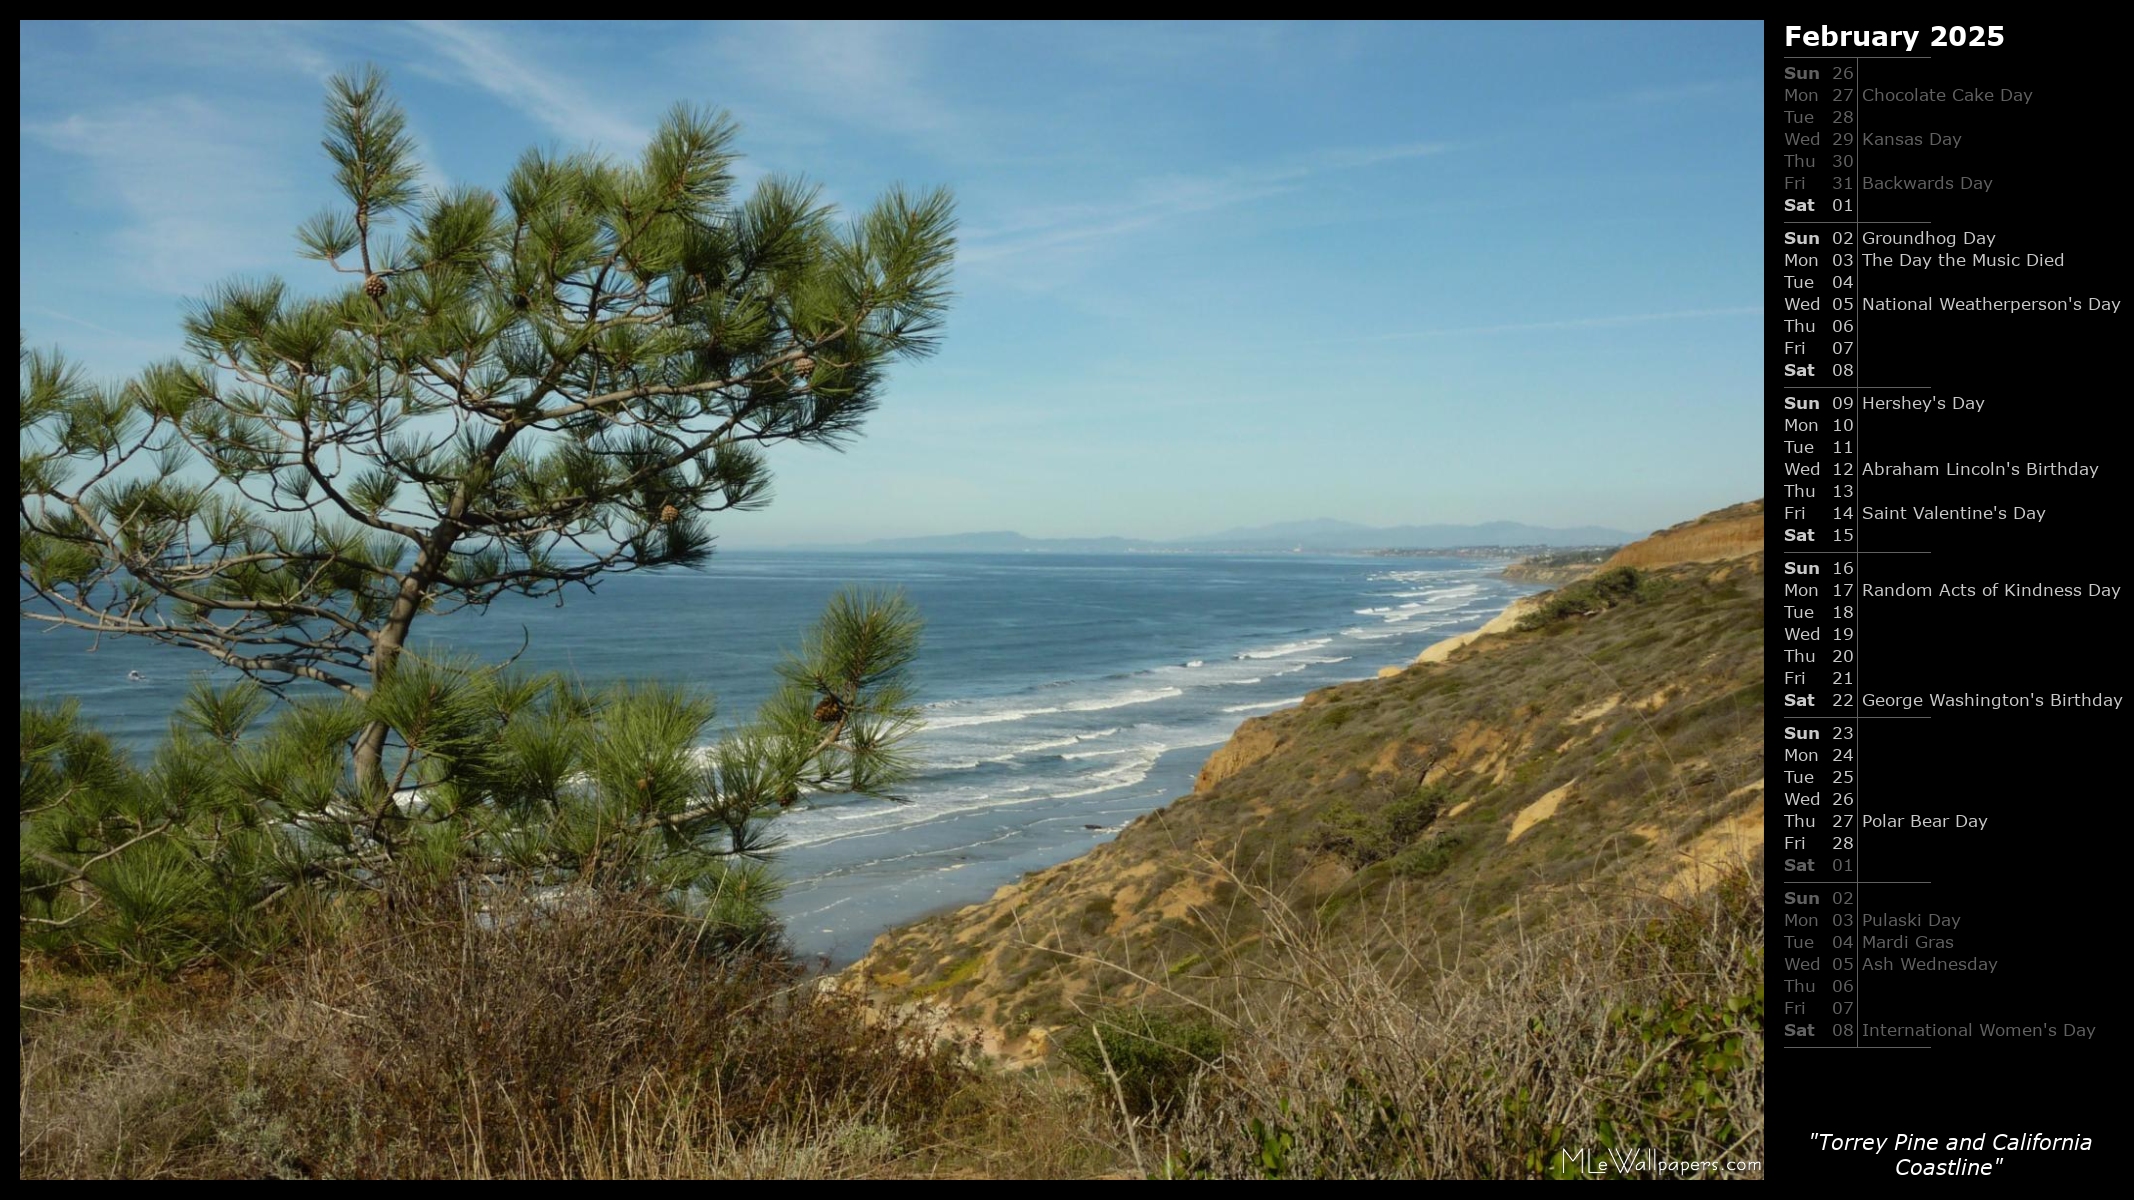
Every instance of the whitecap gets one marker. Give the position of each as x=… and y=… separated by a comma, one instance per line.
x=1073, y=739
x=1100, y=703
x=1372, y=635
x=1238, y=708
x=1286, y=650
x=1112, y=753
x=991, y=718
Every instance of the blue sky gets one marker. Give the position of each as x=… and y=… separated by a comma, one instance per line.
x=1211, y=275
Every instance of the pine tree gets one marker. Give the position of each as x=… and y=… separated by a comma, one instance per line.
x=517, y=392
x=522, y=391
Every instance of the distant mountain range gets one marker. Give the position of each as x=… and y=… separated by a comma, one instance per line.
x=1320, y=534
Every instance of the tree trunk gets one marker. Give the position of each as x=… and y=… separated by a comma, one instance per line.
x=370, y=760
x=424, y=571
x=370, y=745
x=385, y=653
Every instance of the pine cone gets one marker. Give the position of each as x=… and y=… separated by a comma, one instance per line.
x=668, y=514
x=374, y=286
x=803, y=365
x=830, y=709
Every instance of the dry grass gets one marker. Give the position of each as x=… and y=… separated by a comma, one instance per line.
x=1628, y=1025
x=115, y=1080
x=603, y=1044
x=514, y=1041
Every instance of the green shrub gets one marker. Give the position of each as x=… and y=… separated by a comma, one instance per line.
x=1151, y=1056
x=1683, y=1098
x=1570, y=558
x=1362, y=838
x=1430, y=858
x=1609, y=589
x=1408, y=816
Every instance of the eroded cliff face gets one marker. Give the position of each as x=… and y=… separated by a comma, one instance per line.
x=1714, y=537
x=1423, y=814
x=1253, y=741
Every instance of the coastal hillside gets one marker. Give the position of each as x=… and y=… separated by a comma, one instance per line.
x=1727, y=533
x=1600, y=748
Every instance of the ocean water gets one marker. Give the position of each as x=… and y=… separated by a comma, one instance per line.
x=1065, y=694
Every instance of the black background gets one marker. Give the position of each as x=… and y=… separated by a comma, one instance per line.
x=2033, y=889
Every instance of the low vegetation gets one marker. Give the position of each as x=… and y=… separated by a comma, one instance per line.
x=1636, y=1028
x=437, y=1037
x=510, y=1037
x=1145, y=1059
x=1590, y=597
x=1360, y=837
x=1570, y=558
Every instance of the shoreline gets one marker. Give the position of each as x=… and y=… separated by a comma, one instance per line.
x=962, y=878
x=1194, y=760
x=1443, y=649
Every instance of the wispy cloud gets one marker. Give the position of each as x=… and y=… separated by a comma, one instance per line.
x=495, y=63
x=71, y=319
x=1170, y=198
x=1167, y=48
x=860, y=74
x=193, y=182
x=251, y=51
x=1684, y=314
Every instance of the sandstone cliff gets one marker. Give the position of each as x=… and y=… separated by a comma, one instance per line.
x=1714, y=537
